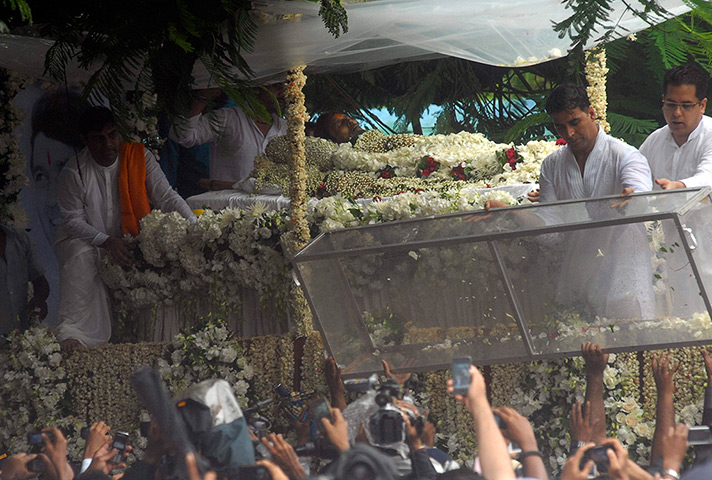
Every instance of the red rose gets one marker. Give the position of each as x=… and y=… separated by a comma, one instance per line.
x=427, y=171
x=511, y=155
x=560, y=141
x=385, y=174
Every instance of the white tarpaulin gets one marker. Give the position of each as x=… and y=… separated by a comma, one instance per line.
x=381, y=32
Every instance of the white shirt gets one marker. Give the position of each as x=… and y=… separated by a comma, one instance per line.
x=689, y=163
x=235, y=140
x=608, y=269
x=89, y=200
x=611, y=166
x=91, y=211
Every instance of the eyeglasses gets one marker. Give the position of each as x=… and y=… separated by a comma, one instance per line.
x=685, y=107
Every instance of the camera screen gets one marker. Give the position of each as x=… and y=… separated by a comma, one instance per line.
x=461, y=375
x=699, y=435
x=319, y=409
x=34, y=438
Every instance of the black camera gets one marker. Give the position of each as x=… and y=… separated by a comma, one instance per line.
x=36, y=465
x=387, y=426
x=254, y=472
x=121, y=441
x=599, y=456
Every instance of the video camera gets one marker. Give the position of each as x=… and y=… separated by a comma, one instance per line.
x=386, y=426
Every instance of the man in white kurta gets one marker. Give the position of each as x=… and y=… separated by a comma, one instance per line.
x=92, y=227
x=680, y=156
x=606, y=269
x=235, y=138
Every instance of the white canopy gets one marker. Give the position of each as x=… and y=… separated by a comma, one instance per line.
x=381, y=32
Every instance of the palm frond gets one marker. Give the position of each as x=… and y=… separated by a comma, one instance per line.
x=632, y=130
x=519, y=129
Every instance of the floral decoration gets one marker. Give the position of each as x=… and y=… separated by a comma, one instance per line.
x=596, y=73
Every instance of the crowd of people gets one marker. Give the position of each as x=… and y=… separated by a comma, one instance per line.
x=382, y=434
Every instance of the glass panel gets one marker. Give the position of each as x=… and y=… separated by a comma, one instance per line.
x=476, y=225
x=419, y=308
x=612, y=271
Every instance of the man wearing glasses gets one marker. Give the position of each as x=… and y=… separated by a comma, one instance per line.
x=680, y=153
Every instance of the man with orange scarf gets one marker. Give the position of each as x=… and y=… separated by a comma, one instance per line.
x=103, y=193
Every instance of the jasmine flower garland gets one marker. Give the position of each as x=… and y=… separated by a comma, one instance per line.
x=596, y=72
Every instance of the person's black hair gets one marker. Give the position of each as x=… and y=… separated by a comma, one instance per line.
x=322, y=123
x=567, y=96
x=95, y=119
x=687, y=74
x=56, y=115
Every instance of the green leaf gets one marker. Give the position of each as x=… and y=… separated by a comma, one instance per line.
x=518, y=129
x=632, y=130
x=333, y=14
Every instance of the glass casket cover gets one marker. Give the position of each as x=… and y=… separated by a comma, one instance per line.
x=518, y=283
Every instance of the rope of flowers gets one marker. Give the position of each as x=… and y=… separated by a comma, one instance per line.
x=596, y=72
x=299, y=228
x=12, y=162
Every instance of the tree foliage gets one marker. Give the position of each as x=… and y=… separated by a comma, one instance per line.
x=152, y=46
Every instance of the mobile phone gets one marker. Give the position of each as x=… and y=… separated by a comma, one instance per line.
x=254, y=472
x=34, y=438
x=599, y=456
x=121, y=439
x=461, y=375
x=36, y=465
x=319, y=408
x=699, y=435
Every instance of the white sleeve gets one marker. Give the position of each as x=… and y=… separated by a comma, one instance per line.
x=70, y=197
x=703, y=172
x=635, y=172
x=547, y=193
x=200, y=129
x=161, y=193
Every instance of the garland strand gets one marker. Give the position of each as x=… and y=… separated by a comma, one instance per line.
x=596, y=72
x=299, y=235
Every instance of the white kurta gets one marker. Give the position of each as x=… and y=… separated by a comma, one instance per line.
x=690, y=163
x=235, y=140
x=91, y=212
x=608, y=269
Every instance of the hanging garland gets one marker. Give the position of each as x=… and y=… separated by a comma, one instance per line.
x=298, y=236
x=596, y=72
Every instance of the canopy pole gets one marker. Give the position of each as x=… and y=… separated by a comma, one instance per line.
x=596, y=72
x=298, y=236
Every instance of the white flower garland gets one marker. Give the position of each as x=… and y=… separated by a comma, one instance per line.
x=596, y=72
